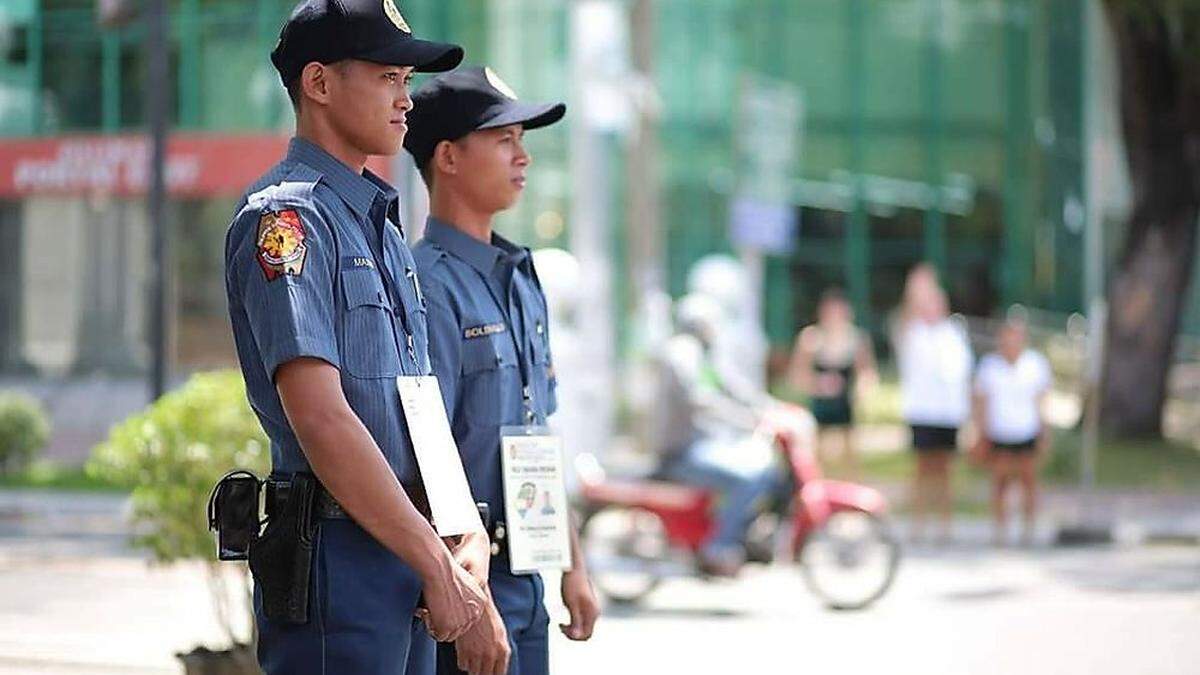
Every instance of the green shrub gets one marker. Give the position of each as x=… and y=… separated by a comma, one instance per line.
x=171, y=454
x=24, y=430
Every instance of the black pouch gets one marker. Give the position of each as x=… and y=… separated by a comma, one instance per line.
x=281, y=558
x=233, y=514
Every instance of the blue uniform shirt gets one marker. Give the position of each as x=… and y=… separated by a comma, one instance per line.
x=488, y=334
x=316, y=266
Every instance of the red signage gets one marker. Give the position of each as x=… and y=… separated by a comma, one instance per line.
x=198, y=165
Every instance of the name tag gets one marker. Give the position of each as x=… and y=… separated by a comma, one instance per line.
x=450, y=502
x=484, y=330
x=535, y=500
x=358, y=262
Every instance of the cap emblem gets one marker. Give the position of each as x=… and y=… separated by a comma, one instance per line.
x=499, y=84
x=389, y=8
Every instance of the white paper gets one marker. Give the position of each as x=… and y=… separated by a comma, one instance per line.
x=450, y=502
x=535, y=500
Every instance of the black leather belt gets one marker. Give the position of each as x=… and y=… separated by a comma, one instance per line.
x=326, y=506
x=276, y=494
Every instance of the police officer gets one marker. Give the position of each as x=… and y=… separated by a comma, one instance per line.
x=488, y=338
x=326, y=314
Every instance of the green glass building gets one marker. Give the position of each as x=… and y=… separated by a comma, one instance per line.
x=880, y=132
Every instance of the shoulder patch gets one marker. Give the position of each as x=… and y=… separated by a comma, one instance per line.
x=279, y=244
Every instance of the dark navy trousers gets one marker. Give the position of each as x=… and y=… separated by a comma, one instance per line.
x=361, y=604
x=519, y=597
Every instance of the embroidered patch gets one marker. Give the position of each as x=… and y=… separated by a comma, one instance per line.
x=280, y=241
x=484, y=330
x=394, y=14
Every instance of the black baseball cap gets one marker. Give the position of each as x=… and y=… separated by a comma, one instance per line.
x=454, y=104
x=328, y=31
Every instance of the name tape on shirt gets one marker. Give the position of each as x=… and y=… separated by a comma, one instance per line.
x=280, y=243
x=484, y=330
x=357, y=261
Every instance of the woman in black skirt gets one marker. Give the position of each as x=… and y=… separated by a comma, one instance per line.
x=833, y=360
x=1010, y=390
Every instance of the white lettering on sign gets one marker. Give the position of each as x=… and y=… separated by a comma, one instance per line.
x=103, y=165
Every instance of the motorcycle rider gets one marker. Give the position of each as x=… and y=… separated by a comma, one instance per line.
x=706, y=432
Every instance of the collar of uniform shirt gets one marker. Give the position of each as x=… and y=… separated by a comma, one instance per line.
x=477, y=254
x=359, y=191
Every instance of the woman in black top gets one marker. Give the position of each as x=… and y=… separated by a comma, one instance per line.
x=832, y=357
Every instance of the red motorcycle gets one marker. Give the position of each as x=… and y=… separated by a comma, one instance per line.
x=638, y=532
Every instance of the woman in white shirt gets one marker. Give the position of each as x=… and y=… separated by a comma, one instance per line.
x=1010, y=389
x=935, y=359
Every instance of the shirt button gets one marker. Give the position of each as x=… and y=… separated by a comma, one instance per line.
x=379, y=295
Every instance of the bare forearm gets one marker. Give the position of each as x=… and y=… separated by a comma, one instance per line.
x=346, y=459
x=578, y=562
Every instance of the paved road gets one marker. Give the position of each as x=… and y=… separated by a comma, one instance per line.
x=72, y=604
x=952, y=611
x=957, y=611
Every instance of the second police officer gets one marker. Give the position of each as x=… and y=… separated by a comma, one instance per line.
x=489, y=342
x=326, y=316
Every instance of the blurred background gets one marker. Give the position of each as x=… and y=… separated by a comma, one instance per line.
x=794, y=145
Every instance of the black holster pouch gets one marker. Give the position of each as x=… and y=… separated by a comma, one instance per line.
x=234, y=515
x=281, y=558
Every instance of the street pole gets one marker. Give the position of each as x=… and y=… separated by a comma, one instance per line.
x=1093, y=526
x=157, y=82
x=596, y=27
x=643, y=181
x=644, y=236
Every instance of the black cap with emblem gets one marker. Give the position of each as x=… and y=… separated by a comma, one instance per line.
x=328, y=31
x=452, y=105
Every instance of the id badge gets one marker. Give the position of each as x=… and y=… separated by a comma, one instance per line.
x=450, y=502
x=535, y=500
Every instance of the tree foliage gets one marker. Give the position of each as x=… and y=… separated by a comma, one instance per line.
x=172, y=453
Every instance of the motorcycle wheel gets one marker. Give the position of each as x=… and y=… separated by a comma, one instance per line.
x=624, y=547
x=851, y=560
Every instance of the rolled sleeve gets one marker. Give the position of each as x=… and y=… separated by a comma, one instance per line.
x=290, y=308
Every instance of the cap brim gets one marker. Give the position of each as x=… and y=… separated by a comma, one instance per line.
x=423, y=55
x=528, y=115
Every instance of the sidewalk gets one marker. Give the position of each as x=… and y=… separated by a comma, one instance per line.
x=1135, y=517
x=75, y=598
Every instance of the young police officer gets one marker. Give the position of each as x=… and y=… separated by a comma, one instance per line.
x=489, y=342
x=326, y=316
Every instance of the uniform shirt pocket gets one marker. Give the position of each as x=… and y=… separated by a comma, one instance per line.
x=540, y=342
x=491, y=382
x=369, y=331
x=543, y=371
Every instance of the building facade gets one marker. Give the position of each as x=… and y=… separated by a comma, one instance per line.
x=839, y=141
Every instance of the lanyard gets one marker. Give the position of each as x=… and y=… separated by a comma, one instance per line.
x=378, y=252
x=524, y=367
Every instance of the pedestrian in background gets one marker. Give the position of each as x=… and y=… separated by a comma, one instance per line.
x=935, y=360
x=832, y=361
x=1010, y=391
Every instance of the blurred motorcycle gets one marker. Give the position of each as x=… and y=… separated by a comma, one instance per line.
x=639, y=531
